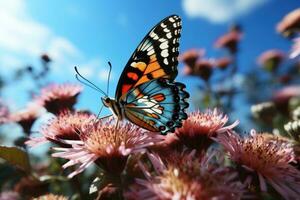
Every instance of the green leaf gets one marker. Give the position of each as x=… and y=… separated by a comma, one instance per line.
x=16, y=157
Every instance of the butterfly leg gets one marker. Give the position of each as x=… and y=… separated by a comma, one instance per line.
x=116, y=128
x=98, y=119
x=117, y=125
x=107, y=116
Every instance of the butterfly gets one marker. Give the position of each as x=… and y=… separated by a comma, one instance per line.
x=146, y=94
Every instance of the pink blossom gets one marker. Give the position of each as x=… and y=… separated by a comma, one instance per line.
x=269, y=157
x=197, y=129
x=183, y=176
x=65, y=125
x=27, y=116
x=289, y=25
x=107, y=145
x=58, y=97
x=229, y=41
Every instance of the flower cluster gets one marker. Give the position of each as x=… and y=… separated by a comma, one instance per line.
x=197, y=130
x=268, y=157
x=58, y=97
x=182, y=176
x=107, y=145
x=66, y=125
x=206, y=158
x=26, y=117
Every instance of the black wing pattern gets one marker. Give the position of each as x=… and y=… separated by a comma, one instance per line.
x=155, y=57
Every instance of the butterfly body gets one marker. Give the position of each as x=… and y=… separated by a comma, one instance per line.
x=114, y=106
x=147, y=94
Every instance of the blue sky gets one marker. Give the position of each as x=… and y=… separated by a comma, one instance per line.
x=90, y=33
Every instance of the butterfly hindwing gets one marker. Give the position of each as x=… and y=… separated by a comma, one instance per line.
x=155, y=57
x=158, y=105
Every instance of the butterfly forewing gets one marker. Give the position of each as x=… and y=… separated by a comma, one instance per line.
x=155, y=57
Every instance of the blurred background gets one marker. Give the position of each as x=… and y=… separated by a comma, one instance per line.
x=42, y=41
x=240, y=56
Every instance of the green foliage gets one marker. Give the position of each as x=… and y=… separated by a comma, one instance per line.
x=15, y=157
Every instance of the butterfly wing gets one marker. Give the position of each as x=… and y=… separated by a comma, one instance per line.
x=157, y=105
x=155, y=57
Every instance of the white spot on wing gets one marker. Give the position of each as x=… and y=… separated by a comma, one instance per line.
x=162, y=39
x=169, y=35
x=147, y=46
x=149, y=105
x=171, y=19
x=152, y=34
x=165, y=53
x=150, y=48
x=164, y=45
x=166, y=61
x=151, y=52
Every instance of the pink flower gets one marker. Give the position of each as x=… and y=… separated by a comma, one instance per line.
x=290, y=24
x=185, y=177
x=223, y=63
x=271, y=59
x=106, y=145
x=58, y=97
x=9, y=195
x=229, y=41
x=296, y=48
x=199, y=127
x=268, y=157
x=65, y=125
x=282, y=97
x=171, y=143
x=190, y=56
x=203, y=69
x=26, y=117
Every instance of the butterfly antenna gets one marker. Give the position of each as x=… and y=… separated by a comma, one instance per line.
x=87, y=83
x=109, y=73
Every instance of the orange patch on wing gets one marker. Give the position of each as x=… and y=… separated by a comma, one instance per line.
x=152, y=123
x=125, y=88
x=151, y=67
x=153, y=58
x=161, y=108
x=144, y=79
x=131, y=105
x=159, y=73
x=132, y=75
x=158, y=97
x=148, y=124
x=140, y=65
x=155, y=116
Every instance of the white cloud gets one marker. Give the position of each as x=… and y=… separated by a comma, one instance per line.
x=10, y=61
x=220, y=11
x=23, y=37
x=103, y=74
x=18, y=32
